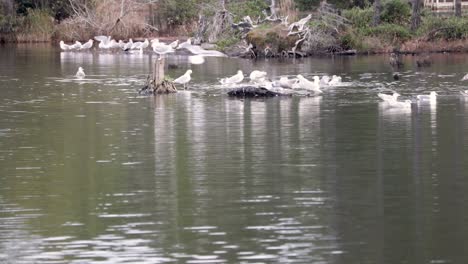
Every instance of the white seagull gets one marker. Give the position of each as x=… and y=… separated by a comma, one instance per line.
x=87, y=45
x=391, y=101
x=161, y=48
x=196, y=59
x=325, y=80
x=303, y=83
x=184, y=79
x=174, y=44
x=64, y=46
x=77, y=45
x=335, y=80
x=284, y=82
x=233, y=79
x=103, y=41
x=388, y=98
x=465, y=78
x=138, y=45
x=432, y=97
x=258, y=76
x=80, y=73
x=128, y=45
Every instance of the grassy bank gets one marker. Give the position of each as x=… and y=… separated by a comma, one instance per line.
x=435, y=33
x=180, y=17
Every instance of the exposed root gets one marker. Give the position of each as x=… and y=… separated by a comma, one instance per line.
x=164, y=87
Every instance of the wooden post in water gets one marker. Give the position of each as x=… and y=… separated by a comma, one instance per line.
x=158, y=71
x=159, y=84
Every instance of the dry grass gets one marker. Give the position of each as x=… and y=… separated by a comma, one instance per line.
x=38, y=26
x=422, y=46
x=103, y=21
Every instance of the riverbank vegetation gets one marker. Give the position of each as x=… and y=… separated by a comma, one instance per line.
x=366, y=26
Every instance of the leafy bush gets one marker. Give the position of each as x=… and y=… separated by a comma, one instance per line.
x=350, y=40
x=252, y=8
x=304, y=5
x=227, y=42
x=396, y=12
x=390, y=32
x=7, y=23
x=179, y=12
x=360, y=18
x=448, y=28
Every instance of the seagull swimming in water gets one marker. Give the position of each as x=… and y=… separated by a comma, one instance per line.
x=388, y=98
x=464, y=93
x=465, y=78
x=196, y=59
x=239, y=77
x=335, y=80
x=392, y=102
x=80, y=73
x=432, y=97
x=184, y=79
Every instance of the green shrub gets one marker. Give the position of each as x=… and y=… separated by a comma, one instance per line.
x=304, y=5
x=360, y=18
x=8, y=24
x=396, y=12
x=38, y=21
x=227, y=42
x=350, y=40
x=448, y=28
x=252, y=8
x=390, y=32
x=178, y=12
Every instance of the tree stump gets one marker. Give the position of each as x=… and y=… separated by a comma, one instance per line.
x=157, y=84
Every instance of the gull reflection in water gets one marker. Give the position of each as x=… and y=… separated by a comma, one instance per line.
x=394, y=114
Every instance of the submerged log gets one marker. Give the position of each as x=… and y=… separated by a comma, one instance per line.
x=252, y=91
x=156, y=84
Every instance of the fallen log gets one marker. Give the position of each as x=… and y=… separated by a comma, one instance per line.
x=252, y=91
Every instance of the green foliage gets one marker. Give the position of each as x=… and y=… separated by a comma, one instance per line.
x=227, y=42
x=252, y=8
x=448, y=28
x=360, y=18
x=350, y=40
x=179, y=12
x=396, y=12
x=7, y=23
x=390, y=32
x=38, y=21
x=304, y=5
x=7, y=20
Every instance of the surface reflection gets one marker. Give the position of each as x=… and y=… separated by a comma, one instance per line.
x=91, y=172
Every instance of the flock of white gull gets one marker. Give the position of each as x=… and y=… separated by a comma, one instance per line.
x=161, y=48
x=256, y=77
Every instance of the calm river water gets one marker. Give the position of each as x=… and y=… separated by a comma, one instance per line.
x=92, y=173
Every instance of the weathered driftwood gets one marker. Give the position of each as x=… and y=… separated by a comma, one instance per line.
x=347, y=52
x=156, y=84
x=252, y=91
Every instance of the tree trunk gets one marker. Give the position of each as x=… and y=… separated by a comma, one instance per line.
x=273, y=8
x=458, y=8
x=415, y=15
x=377, y=11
